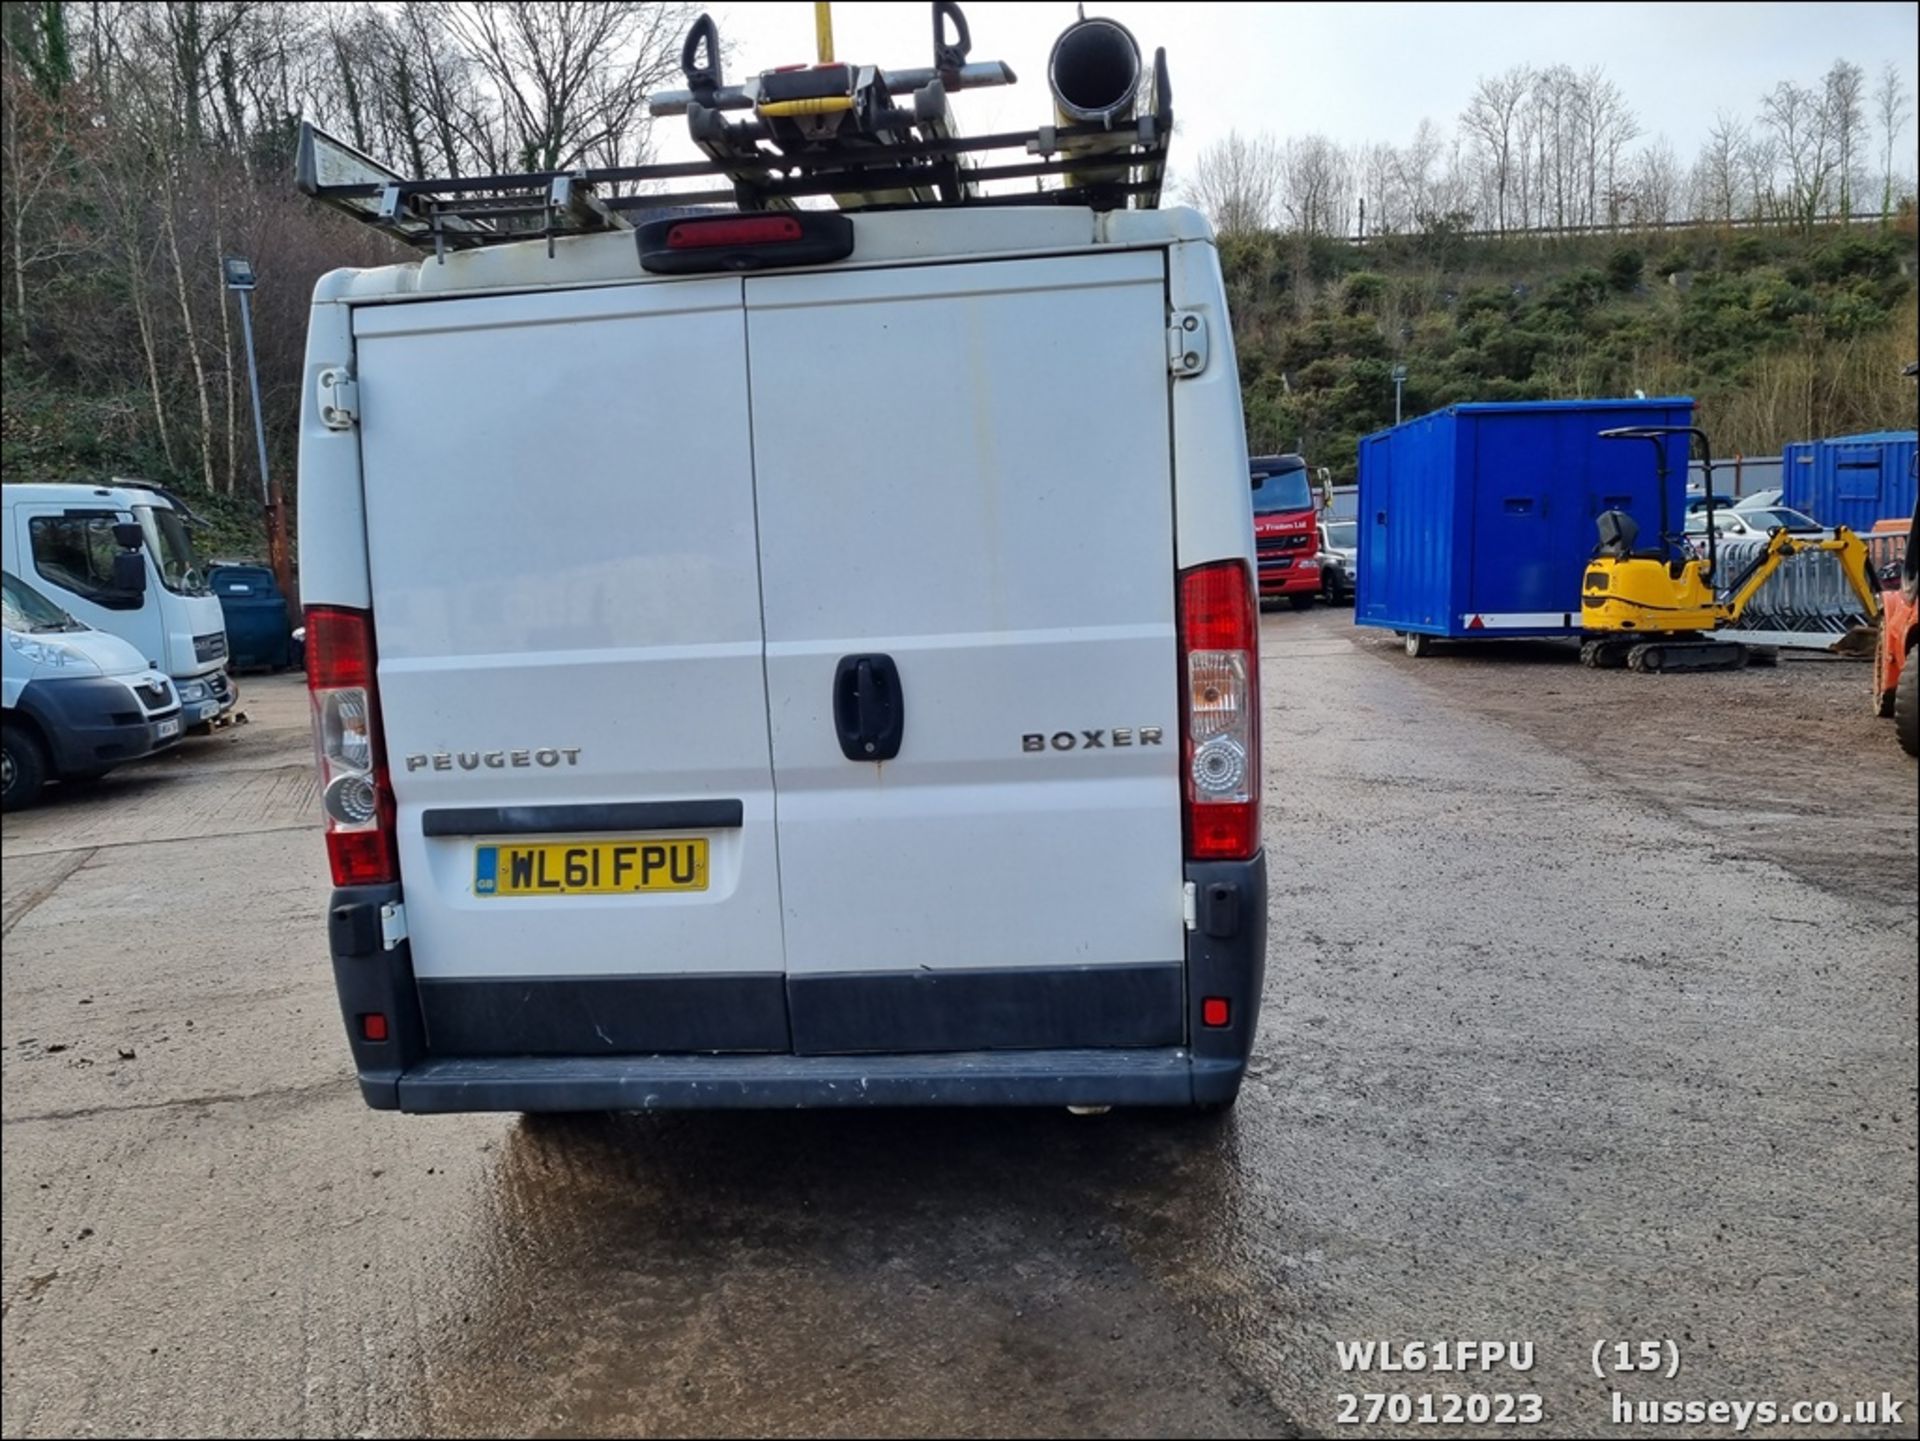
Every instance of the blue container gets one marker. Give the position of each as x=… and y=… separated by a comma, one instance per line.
x=1851, y=480
x=258, y=635
x=1477, y=521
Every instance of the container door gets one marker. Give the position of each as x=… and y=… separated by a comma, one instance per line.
x=1525, y=472
x=1376, y=600
x=560, y=529
x=966, y=520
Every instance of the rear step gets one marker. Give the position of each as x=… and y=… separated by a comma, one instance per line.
x=1093, y=1077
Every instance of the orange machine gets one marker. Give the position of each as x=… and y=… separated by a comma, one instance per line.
x=1896, y=672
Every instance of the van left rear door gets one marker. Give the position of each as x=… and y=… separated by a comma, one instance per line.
x=561, y=540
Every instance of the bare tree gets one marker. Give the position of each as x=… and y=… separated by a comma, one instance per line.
x=570, y=77
x=1717, y=177
x=1893, y=108
x=1845, y=101
x=1235, y=183
x=1656, y=184
x=1802, y=132
x=1314, y=185
x=1377, y=169
x=1492, y=119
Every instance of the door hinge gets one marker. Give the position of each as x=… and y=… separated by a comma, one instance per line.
x=1187, y=342
x=339, y=399
x=393, y=924
x=1190, y=906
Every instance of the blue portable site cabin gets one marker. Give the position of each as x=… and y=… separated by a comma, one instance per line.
x=1478, y=520
x=1851, y=480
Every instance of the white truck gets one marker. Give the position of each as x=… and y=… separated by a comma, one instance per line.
x=120, y=557
x=830, y=684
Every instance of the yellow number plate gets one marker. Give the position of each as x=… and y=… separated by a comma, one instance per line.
x=591, y=868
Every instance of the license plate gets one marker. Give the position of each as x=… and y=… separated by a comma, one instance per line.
x=167, y=729
x=591, y=868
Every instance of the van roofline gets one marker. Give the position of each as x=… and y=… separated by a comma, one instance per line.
x=886, y=237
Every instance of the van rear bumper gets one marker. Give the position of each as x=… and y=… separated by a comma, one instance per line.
x=1096, y=1056
x=1093, y=1077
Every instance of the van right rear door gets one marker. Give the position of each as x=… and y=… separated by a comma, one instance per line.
x=965, y=483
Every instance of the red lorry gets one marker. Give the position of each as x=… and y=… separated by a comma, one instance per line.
x=1286, y=542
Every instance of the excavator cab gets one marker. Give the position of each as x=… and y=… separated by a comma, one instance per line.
x=1656, y=608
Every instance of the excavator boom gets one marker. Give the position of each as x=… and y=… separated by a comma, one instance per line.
x=1845, y=546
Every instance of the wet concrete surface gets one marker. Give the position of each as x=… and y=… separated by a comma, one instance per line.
x=1572, y=1033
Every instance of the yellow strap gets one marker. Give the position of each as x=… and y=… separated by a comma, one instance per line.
x=821, y=105
x=823, y=30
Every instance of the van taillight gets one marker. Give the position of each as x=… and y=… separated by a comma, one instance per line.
x=1220, y=715
x=355, y=797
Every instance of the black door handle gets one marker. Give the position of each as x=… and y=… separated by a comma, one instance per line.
x=868, y=710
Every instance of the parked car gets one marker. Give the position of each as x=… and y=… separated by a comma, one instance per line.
x=1748, y=524
x=1697, y=500
x=1339, y=560
x=1761, y=500
x=258, y=636
x=78, y=701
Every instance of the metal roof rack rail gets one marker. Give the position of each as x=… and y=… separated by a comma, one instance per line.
x=867, y=137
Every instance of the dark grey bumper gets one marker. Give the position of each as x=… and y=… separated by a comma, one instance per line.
x=1122, y=1061
x=91, y=723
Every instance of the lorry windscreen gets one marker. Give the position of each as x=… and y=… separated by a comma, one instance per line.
x=180, y=567
x=1282, y=490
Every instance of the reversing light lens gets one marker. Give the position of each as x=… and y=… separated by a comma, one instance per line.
x=1220, y=769
x=351, y=799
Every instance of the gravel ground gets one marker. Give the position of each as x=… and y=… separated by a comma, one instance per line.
x=1591, y=1016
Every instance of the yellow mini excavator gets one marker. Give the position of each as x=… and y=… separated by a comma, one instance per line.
x=1656, y=609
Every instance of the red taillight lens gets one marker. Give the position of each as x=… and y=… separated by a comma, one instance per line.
x=373, y=1025
x=1216, y=1011
x=1220, y=714
x=759, y=230
x=355, y=797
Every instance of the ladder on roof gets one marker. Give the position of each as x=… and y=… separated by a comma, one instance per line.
x=869, y=138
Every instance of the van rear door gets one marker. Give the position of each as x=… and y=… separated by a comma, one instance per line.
x=965, y=485
x=560, y=532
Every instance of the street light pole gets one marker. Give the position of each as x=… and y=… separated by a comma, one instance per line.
x=1399, y=380
x=239, y=279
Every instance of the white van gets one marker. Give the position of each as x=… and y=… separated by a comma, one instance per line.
x=77, y=701
x=120, y=557
x=828, y=685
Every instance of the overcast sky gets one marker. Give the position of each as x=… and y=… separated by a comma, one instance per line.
x=1365, y=72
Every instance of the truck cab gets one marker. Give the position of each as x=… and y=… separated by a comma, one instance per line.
x=121, y=558
x=1286, y=538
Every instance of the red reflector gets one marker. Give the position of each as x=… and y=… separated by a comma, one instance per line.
x=754, y=230
x=373, y=1026
x=1214, y=1011
x=1216, y=608
x=339, y=648
x=362, y=858
x=1224, y=832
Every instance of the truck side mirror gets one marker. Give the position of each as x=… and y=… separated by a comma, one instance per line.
x=127, y=534
x=130, y=572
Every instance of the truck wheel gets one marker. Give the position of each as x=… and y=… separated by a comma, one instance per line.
x=1300, y=602
x=1417, y=644
x=1906, y=705
x=23, y=769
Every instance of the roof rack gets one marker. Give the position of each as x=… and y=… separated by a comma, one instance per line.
x=830, y=129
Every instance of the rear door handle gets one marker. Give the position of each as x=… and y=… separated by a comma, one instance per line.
x=868, y=709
